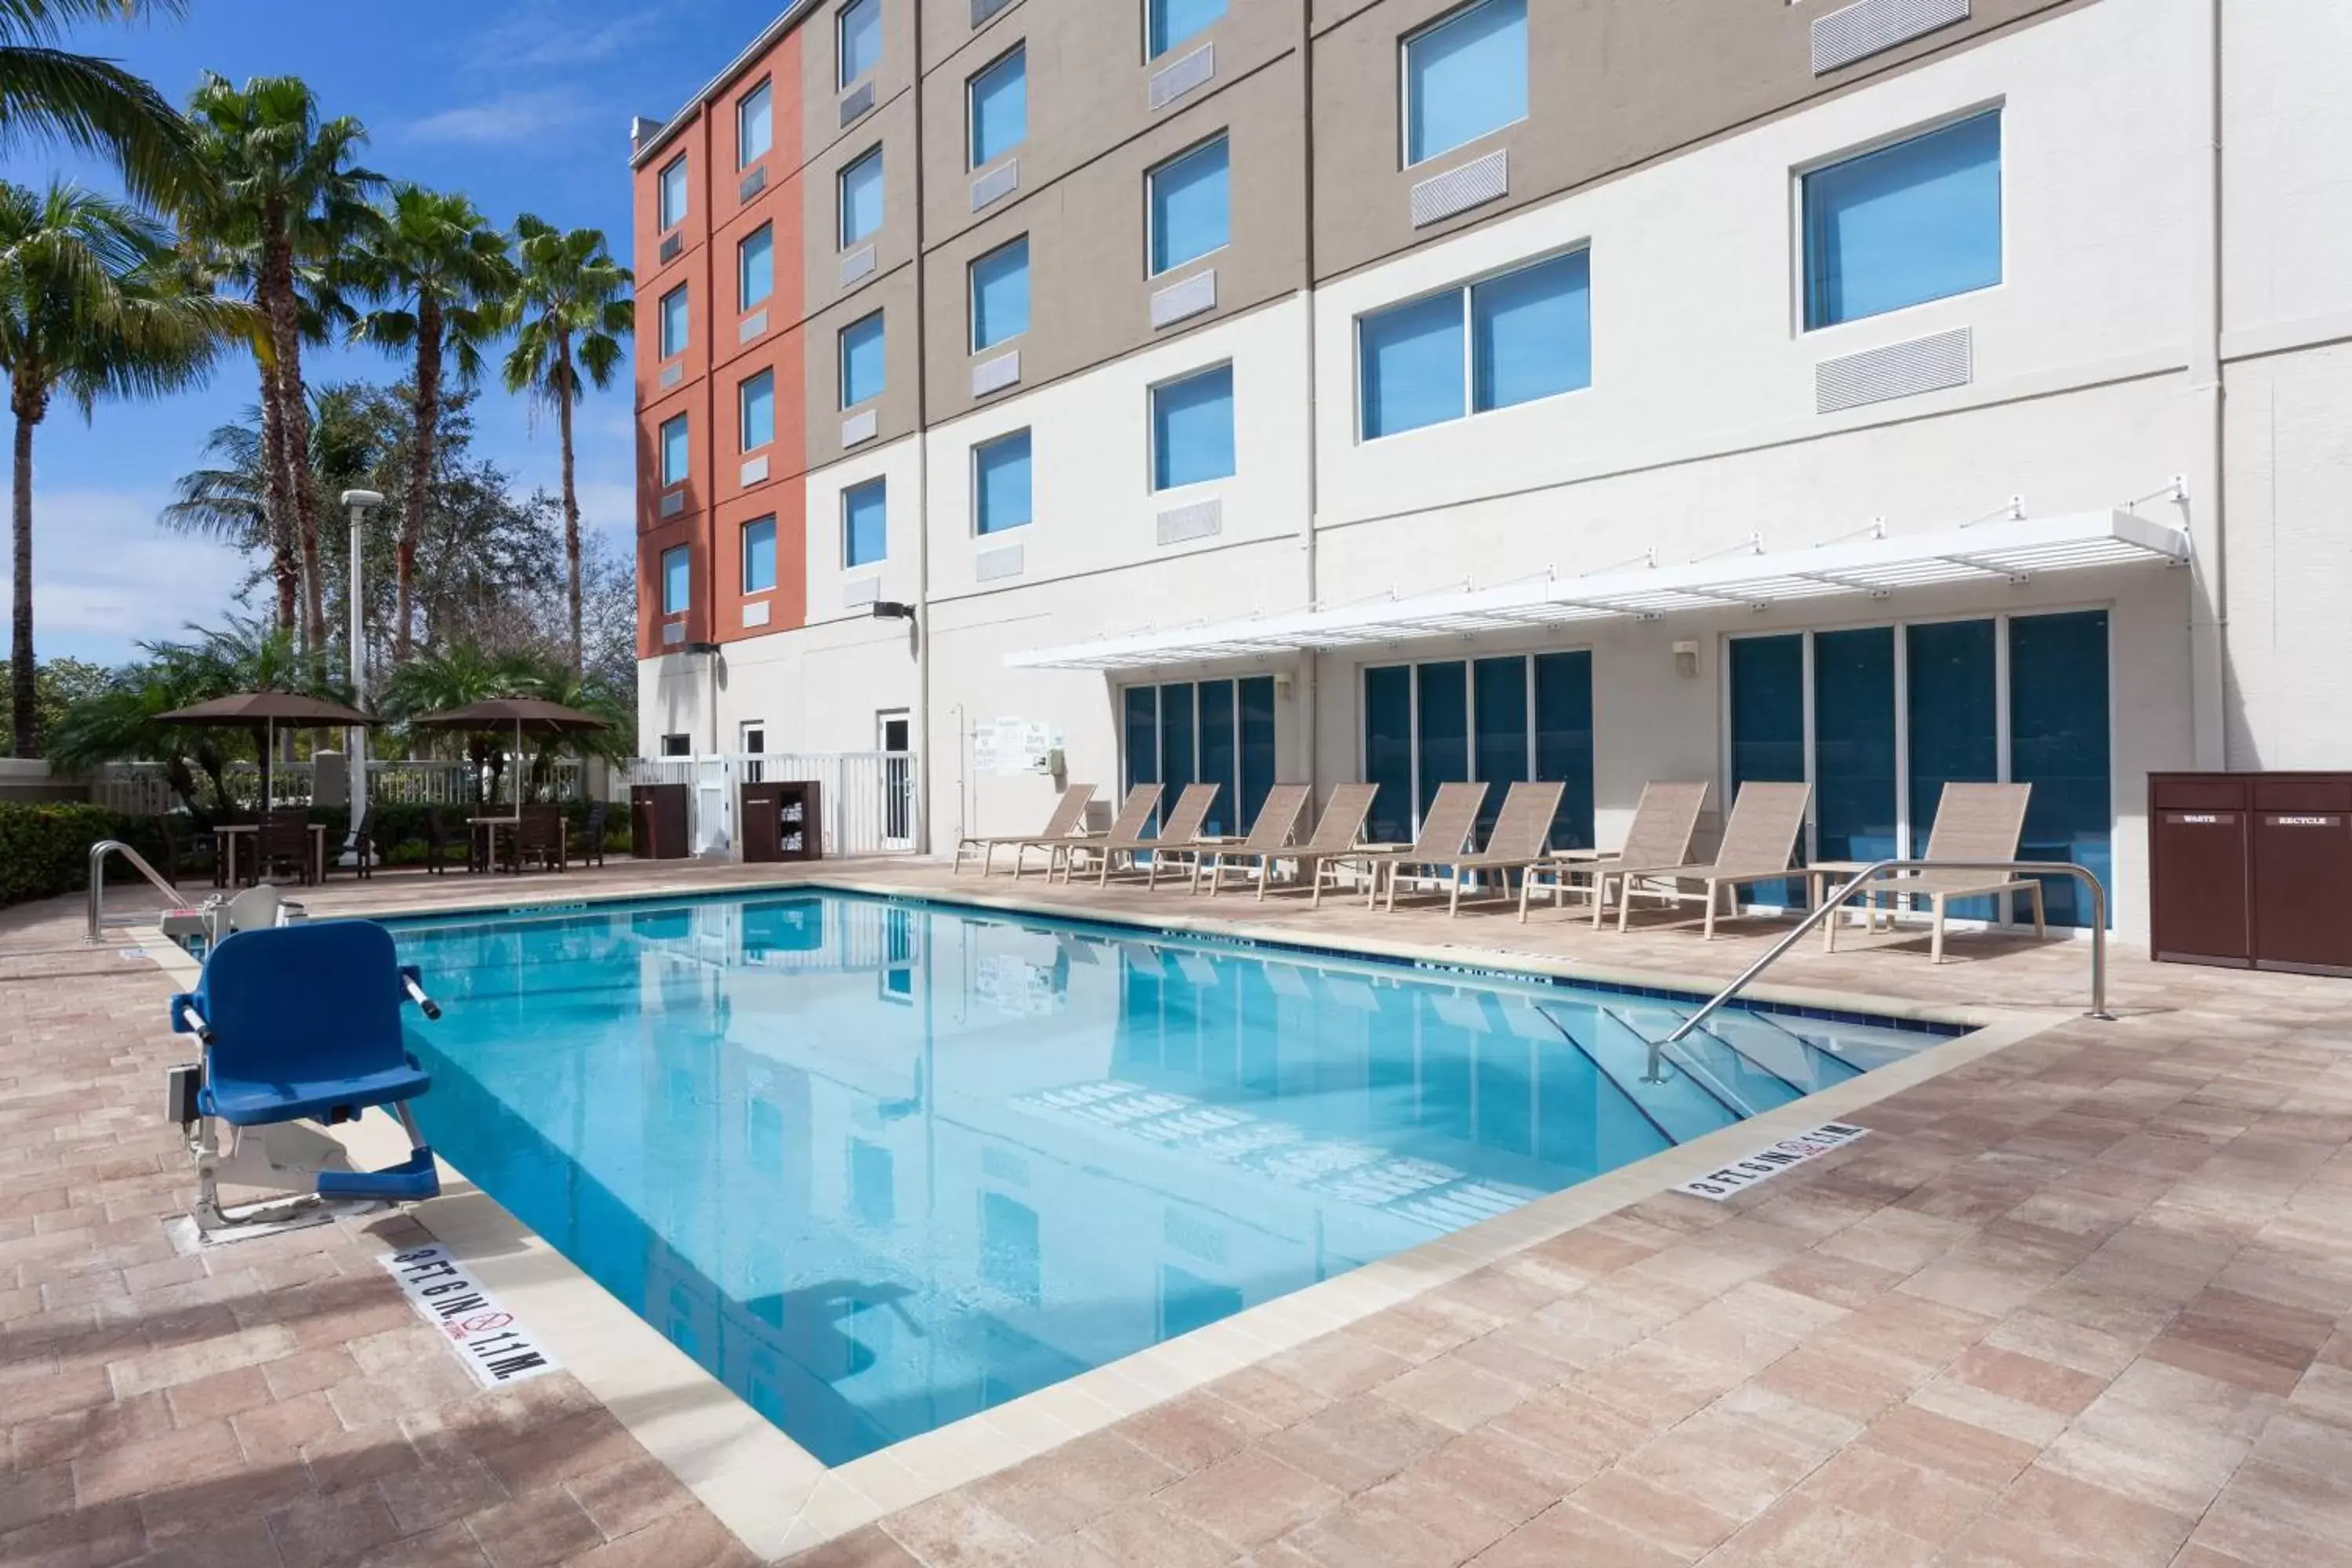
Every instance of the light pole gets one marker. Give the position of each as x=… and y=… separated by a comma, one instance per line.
x=358, y=503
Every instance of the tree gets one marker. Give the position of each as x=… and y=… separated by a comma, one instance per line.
x=92, y=304
x=571, y=309
x=463, y=672
x=444, y=276
x=58, y=684
x=90, y=103
x=284, y=205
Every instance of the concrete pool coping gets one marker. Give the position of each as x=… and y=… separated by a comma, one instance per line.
x=779, y=1499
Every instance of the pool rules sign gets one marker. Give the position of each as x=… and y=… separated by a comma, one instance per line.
x=1768, y=1162
x=494, y=1345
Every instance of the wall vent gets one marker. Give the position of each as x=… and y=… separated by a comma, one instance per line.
x=995, y=374
x=996, y=184
x=1459, y=189
x=755, y=469
x=671, y=375
x=1860, y=30
x=859, y=427
x=858, y=265
x=756, y=613
x=858, y=591
x=1198, y=521
x=858, y=103
x=1174, y=79
x=753, y=184
x=753, y=325
x=1181, y=300
x=992, y=565
x=673, y=504
x=981, y=10
x=671, y=246
x=1898, y=370
x=673, y=633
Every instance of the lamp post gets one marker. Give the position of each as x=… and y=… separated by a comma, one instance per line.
x=358, y=503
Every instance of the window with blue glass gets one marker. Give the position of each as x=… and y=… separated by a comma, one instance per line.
x=1000, y=107
x=672, y=193
x=677, y=580
x=758, y=400
x=864, y=523
x=1191, y=206
x=1000, y=481
x=674, y=322
x=755, y=126
x=861, y=360
x=1563, y=740
x=755, y=268
x=1514, y=338
x=1218, y=749
x=1388, y=752
x=1192, y=430
x=1951, y=677
x=1497, y=721
x=861, y=199
x=860, y=36
x=674, y=463
x=1464, y=76
x=760, y=555
x=1854, y=744
x=1000, y=294
x=1210, y=731
x=1767, y=727
x=1168, y=23
x=1916, y=221
x=2059, y=744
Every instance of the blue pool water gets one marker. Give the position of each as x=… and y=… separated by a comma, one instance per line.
x=878, y=1165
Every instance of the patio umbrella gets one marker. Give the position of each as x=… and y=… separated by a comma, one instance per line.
x=524, y=715
x=264, y=711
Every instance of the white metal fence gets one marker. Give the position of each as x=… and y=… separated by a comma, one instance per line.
x=870, y=802
x=141, y=789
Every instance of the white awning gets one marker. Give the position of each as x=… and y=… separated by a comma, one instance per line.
x=2008, y=551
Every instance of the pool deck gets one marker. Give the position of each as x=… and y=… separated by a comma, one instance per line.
x=2086, y=1299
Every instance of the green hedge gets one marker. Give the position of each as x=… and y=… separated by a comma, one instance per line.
x=45, y=850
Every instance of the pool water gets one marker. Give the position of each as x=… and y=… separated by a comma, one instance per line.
x=878, y=1165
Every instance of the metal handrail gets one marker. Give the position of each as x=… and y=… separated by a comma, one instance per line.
x=1837, y=900
x=98, y=854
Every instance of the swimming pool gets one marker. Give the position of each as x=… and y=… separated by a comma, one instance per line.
x=879, y=1164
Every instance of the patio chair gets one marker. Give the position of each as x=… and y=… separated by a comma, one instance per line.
x=1664, y=820
x=1521, y=832
x=363, y=850
x=1067, y=812
x=537, y=840
x=299, y=1023
x=1184, y=825
x=283, y=841
x=1973, y=822
x=1277, y=821
x=439, y=841
x=1335, y=835
x=588, y=849
x=1759, y=842
x=1445, y=830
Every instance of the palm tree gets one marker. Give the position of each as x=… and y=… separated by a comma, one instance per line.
x=286, y=204
x=444, y=276
x=92, y=103
x=92, y=304
x=572, y=307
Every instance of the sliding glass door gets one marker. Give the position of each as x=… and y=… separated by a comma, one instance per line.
x=1495, y=720
x=1208, y=732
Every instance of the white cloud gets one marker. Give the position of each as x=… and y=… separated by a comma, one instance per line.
x=546, y=34
x=504, y=121
x=106, y=575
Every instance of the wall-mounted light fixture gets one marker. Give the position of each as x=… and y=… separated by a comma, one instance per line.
x=1686, y=659
x=892, y=610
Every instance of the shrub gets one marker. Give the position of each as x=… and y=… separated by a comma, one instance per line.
x=44, y=848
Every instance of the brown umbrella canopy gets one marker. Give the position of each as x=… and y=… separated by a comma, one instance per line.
x=264, y=711
x=524, y=715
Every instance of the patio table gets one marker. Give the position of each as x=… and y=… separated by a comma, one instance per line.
x=224, y=842
x=486, y=829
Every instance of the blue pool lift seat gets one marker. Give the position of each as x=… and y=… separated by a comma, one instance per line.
x=303, y=1022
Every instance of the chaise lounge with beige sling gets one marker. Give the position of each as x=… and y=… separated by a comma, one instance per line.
x=1068, y=811
x=1445, y=830
x=1335, y=835
x=1104, y=855
x=1277, y=822
x=1517, y=843
x=1665, y=819
x=1973, y=822
x=1759, y=842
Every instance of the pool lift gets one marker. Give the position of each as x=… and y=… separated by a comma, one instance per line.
x=297, y=1023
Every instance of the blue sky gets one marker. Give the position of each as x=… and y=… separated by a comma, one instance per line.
x=522, y=104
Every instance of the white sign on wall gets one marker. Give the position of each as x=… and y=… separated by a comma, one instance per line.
x=1009, y=747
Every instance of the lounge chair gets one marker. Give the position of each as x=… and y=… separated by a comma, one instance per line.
x=1064, y=821
x=1973, y=822
x=1445, y=828
x=1335, y=835
x=1277, y=821
x=1184, y=825
x=1517, y=842
x=1759, y=842
x=1665, y=821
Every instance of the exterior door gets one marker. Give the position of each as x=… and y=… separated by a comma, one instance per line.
x=894, y=738
x=754, y=744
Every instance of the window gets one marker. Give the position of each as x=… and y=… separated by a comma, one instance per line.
x=758, y=561
x=755, y=266
x=861, y=361
x=1191, y=213
x=1000, y=108
x=1192, y=430
x=860, y=38
x=1171, y=22
x=672, y=193
x=1508, y=339
x=676, y=745
x=1907, y=224
x=1464, y=76
x=1000, y=295
x=673, y=323
x=757, y=398
x=861, y=198
x=1495, y=720
x=755, y=126
x=1215, y=731
x=677, y=579
x=1000, y=481
x=673, y=451
x=864, y=523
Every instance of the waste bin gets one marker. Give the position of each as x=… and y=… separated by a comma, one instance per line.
x=2303, y=874
x=2252, y=870
x=658, y=822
